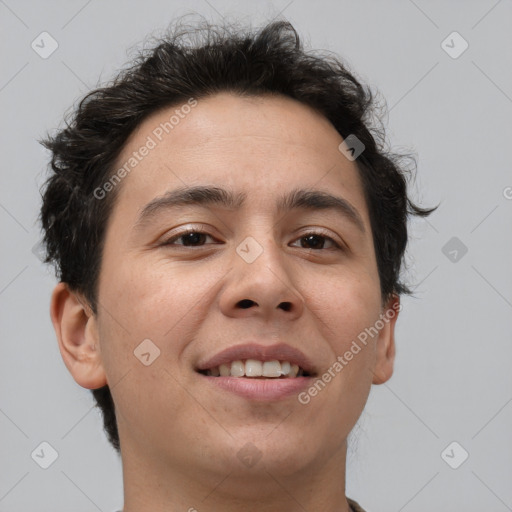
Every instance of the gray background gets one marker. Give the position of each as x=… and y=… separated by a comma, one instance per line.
x=452, y=380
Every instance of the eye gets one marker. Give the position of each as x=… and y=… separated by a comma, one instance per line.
x=196, y=238
x=191, y=238
x=314, y=239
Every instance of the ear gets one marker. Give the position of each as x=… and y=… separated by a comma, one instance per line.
x=77, y=334
x=386, y=342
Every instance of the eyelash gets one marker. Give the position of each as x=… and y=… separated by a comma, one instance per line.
x=320, y=234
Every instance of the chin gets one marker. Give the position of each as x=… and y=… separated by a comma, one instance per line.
x=274, y=450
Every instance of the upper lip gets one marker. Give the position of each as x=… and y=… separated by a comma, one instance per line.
x=279, y=352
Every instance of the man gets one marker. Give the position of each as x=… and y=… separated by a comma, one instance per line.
x=228, y=236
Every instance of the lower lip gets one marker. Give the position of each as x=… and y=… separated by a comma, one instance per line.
x=261, y=389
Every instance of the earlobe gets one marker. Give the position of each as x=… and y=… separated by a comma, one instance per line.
x=385, y=349
x=77, y=335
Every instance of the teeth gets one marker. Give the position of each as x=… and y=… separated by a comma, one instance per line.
x=271, y=369
x=255, y=368
x=237, y=369
x=225, y=370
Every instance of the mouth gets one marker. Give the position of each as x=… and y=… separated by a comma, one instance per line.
x=255, y=369
x=253, y=360
x=258, y=372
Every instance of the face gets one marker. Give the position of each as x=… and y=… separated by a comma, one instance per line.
x=263, y=271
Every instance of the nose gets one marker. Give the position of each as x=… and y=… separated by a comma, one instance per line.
x=263, y=287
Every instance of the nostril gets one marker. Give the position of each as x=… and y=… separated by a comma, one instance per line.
x=246, y=303
x=286, y=306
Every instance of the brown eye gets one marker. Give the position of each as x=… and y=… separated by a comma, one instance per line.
x=316, y=241
x=196, y=238
x=190, y=238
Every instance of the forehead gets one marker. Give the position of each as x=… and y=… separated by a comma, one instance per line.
x=262, y=145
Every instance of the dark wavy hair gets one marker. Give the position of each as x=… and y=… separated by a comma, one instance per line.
x=198, y=61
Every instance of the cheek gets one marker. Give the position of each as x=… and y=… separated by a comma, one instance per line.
x=156, y=299
x=158, y=302
x=336, y=398
x=346, y=312
x=345, y=306
x=162, y=301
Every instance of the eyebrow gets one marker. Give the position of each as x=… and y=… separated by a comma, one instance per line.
x=305, y=199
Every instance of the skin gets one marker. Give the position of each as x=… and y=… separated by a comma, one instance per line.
x=180, y=438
